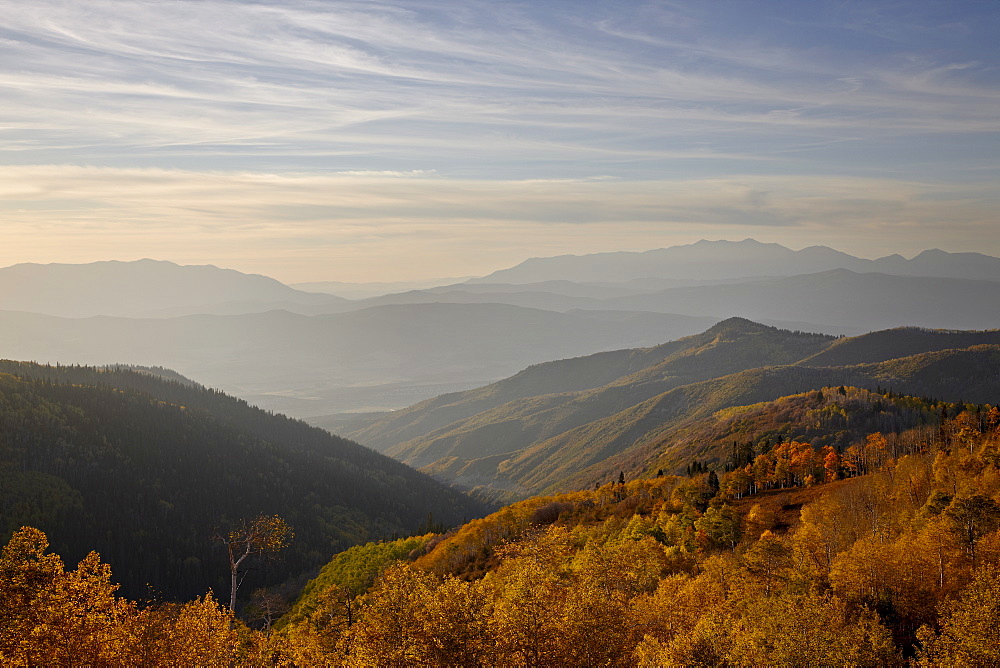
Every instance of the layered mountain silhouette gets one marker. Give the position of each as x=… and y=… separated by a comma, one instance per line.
x=739, y=259
x=563, y=424
x=314, y=355
x=834, y=301
x=144, y=288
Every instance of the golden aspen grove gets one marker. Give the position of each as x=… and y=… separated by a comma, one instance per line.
x=884, y=555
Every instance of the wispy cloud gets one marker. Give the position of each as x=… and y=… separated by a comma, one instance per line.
x=419, y=215
x=306, y=126
x=144, y=74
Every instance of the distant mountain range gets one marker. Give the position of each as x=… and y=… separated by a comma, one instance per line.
x=315, y=354
x=564, y=424
x=833, y=301
x=144, y=288
x=710, y=260
x=366, y=290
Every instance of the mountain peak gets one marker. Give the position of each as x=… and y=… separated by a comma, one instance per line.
x=743, y=244
x=737, y=326
x=140, y=287
x=714, y=242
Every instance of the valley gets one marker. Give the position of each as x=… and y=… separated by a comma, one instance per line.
x=575, y=426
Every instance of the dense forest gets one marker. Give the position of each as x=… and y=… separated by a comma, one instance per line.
x=147, y=469
x=883, y=553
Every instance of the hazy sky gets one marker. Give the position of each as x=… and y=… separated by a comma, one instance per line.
x=329, y=140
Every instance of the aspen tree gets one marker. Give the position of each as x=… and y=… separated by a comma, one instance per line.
x=263, y=534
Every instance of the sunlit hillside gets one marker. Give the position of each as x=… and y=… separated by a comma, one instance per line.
x=881, y=554
x=572, y=423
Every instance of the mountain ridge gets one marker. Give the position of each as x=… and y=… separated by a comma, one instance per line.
x=527, y=443
x=734, y=259
x=141, y=288
x=145, y=469
x=393, y=351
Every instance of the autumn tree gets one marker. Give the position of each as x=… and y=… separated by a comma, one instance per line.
x=53, y=617
x=803, y=630
x=267, y=606
x=744, y=628
x=49, y=616
x=264, y=534
x=970, y=627
x=676, y=621
x=971, y=519
x=758, y=520
x=525, y=592
x=719, y=527
x=831, y=463
x=25, y=571
x=738, y=483
x=766, y=561
x=390, y=631
x=201, y=632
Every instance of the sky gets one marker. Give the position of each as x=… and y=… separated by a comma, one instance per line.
x=382, y=141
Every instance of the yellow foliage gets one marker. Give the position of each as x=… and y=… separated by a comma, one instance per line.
x=802, y=630
x=615, y=576
x=53, y=617
x=390, y=632
x=970, y=629
x=201, y=632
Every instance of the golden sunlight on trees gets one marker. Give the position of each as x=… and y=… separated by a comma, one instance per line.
x=197, y=633
x=806, y=629
x=970, y=626
x=55, y=617
x=895, y=563
x=973, y=518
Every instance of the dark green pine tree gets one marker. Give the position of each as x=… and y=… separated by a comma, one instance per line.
x=713, y=482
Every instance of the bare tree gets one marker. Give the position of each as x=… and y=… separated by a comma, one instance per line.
x=267, y=606
x=264, y=534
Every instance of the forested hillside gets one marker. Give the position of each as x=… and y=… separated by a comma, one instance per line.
x=879, y=555
x=882, y=554
x=594, y=452
x=547, y=430
x=146, y=470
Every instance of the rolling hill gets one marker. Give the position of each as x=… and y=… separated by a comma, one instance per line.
x=512, y=438
x=656, y=429
x=628, y=377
